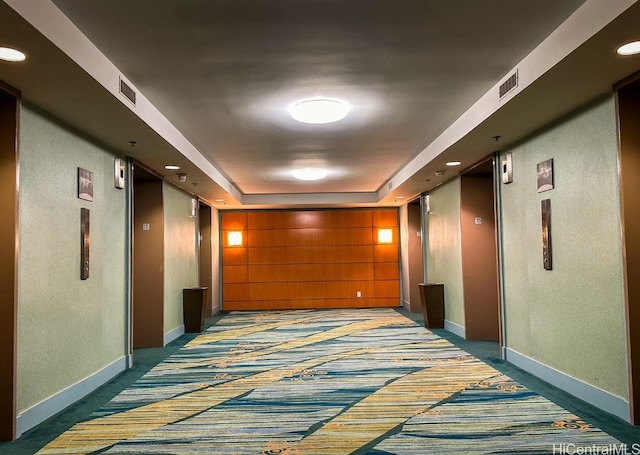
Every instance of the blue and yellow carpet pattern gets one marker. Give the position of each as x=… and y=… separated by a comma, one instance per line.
x=325, y=382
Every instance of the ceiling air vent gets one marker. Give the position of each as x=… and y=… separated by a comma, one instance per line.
x=508, y=85
x=127, y=91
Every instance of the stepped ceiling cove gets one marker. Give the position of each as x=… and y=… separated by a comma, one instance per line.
x=214, y=80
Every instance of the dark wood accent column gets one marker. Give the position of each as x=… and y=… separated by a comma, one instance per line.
x=629, y=121
x=416, y=262
x=206, y=260
x=8, y=262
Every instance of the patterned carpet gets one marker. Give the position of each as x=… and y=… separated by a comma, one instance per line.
x=326, y=382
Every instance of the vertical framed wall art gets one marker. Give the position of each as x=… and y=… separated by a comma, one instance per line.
x=84, y=243
x=85, y=184
x=545, y=175
x=547, y=261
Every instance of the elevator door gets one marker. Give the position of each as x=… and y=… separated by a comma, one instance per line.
x=479, y=253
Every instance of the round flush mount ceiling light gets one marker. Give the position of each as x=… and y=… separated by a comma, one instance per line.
x=171, y=167
x=309, y=173
x=454, y=163
x=11, y=55
x=631, y=48
x=319, y=110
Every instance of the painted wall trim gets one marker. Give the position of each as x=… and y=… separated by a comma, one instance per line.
x=497, y=191
x=173, y=334
x=129, y=262
x=66, y=397
x=592, y=395
x=454, y=328
x=404, y=304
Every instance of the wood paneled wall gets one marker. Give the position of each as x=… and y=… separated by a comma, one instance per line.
x=310, y=259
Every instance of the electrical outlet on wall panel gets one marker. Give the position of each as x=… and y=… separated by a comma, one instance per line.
x=358, y=294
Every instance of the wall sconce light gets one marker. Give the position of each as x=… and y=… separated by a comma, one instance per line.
x=194, y=207
x=234, y=238
x=385, y=235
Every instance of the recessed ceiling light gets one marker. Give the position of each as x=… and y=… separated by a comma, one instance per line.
x=454, y=163
x=309, y=173
x=629, y=48
x=172, y=167
x=319, y=110
x=11, y=55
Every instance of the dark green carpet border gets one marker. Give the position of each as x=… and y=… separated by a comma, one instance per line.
x=145, y=359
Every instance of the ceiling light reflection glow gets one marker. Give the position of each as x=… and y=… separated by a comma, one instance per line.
x=309, y=173
x=319, y=110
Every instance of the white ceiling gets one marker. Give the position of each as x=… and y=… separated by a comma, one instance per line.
x=215, y=77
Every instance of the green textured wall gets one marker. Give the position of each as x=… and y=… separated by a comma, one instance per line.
x=68, y=329
x=570, y=318
x=444, y=257
x=180, y=253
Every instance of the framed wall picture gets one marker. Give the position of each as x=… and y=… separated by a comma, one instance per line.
x=85, y=184
x=545, y=175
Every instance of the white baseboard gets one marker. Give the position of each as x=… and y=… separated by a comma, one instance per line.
x=406, y=305
x=454, y=328
x=56, y=403
x=173, y=334
x=592, y=395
